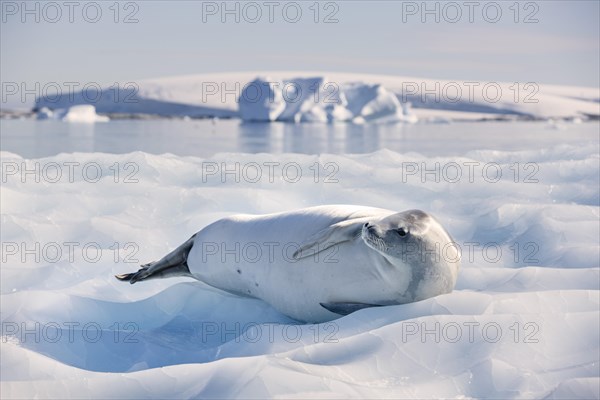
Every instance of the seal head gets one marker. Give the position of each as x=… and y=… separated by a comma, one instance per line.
x=415, y=239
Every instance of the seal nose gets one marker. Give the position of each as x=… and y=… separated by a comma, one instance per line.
x=370, y=228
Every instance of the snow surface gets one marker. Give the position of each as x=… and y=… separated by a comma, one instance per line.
x=220, y=95
x=545, y=301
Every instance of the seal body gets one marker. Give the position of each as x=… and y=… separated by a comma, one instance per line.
x=316, y=263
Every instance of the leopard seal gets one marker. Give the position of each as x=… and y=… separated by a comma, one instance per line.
x=315, y=264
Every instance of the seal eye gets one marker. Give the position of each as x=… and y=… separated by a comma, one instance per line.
x=401, y=232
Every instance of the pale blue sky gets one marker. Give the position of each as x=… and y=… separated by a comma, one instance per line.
x=371, y=37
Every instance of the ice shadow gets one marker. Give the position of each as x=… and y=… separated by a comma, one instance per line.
x=186, y=323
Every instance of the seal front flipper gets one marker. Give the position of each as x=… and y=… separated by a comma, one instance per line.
x=332, y=235
x=346, y=308
x=173, y=264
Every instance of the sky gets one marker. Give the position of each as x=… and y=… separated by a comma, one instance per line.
x=108, y=42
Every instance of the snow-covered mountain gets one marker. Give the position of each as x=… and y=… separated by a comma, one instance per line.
x=330, y=97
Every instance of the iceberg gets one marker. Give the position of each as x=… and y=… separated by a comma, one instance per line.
x=44, y=113
x=319, y=100
x=83, y=114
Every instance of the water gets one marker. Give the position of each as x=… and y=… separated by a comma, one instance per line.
x=204, y=138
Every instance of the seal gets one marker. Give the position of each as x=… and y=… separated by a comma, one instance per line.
x=316, y=264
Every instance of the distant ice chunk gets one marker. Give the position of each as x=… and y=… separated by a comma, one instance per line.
x=44, y=113
x=317, y=100
x=84, y=113
x=80, y=114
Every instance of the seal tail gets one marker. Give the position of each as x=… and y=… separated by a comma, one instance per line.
x=173, y=264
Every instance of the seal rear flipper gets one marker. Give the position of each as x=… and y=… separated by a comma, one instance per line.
x=173, y=264
x=346, y=308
